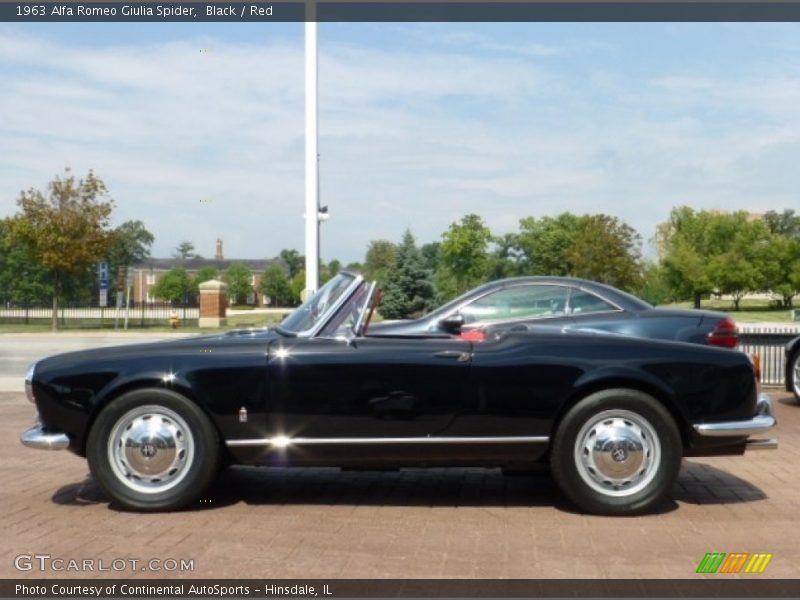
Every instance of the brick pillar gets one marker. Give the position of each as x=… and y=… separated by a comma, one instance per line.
x=213, y=303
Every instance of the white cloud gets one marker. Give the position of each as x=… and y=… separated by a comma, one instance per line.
x=409, y=137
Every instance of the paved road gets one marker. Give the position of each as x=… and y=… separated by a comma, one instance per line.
x=17, y=351
x=473, y=523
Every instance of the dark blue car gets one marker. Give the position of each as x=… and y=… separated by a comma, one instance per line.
x=566, y=302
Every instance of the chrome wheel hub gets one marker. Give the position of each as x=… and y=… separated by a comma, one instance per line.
x=150, y=449
x=617, y=452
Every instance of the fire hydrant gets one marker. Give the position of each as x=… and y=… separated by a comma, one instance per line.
x=173, y=320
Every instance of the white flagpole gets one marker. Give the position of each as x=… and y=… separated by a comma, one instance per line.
x=312, y=154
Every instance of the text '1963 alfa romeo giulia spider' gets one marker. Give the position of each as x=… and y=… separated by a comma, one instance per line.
x=611, y=415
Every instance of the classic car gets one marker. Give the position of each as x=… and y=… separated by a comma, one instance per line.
x=567, y=302
x=612, y=415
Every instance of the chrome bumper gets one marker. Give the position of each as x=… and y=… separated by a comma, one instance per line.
x=37, y=437
x=763, y=421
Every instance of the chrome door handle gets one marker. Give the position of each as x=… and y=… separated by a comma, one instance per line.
x=454, y=354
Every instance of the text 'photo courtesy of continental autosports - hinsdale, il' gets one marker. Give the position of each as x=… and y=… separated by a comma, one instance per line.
x=609, y=408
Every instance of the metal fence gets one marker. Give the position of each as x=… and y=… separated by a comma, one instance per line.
x=83, y=316
x=769, y=343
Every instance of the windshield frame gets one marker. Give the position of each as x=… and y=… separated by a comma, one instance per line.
x=329, y=311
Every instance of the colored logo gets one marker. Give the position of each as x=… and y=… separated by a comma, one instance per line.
x=737, y=562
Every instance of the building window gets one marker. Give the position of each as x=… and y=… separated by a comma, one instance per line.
x=151, y=279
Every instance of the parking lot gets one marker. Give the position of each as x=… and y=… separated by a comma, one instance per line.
x=470, y=523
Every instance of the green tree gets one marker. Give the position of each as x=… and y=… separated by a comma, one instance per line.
x=239, y=277
x=131, y=245
x=22, y=279
x=653, y=286
x=607, y=250
x=505, y=259
x=780, y=264
x=174, y=286
x=66, y=229
x=711, y=251
x=203, y=274
x=543, y=244
x=431, y=255
x=184, y=251
x=464, y=256
x=410, y=291
x=298, y=285
x=294, y=261
x=379, y=261
x=277, y=286
x=785, y=223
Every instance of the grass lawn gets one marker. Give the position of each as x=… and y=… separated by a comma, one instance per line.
x=749, y=310
x=77, y=325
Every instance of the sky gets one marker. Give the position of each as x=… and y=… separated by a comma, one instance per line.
x=198, y=129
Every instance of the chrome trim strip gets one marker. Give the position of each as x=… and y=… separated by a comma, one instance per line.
x=767, y=444
x=567, y=313
x=37, y=437
x=284, y=441
x=29, y=383
x=763, y=420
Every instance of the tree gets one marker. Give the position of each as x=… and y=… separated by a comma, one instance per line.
x=239, y=277
x=409, y=291
x=543, y=244
x=780, y=264
x=653, y=287
x=464, y=255
x=504, y=260
x=785, y=223
x=431, y=255
x=203, y=274
x=298, y=285
x=131, y=245
x=174, y=286
x=711, y=251
x=22, y=279
x=66, y=229
x=185, y=250
x=294, y=260
x=379, y=261
x=277, y=286
x=607, y=250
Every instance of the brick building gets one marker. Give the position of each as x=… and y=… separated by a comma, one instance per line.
x=146, y=274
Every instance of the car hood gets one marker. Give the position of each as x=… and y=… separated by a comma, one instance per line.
x=165, y=347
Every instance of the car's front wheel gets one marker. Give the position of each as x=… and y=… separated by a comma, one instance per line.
x=616, y=452
x=153, y=450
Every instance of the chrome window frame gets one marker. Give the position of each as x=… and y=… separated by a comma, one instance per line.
x=617, y=308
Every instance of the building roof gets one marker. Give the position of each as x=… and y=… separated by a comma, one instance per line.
x=256, y=265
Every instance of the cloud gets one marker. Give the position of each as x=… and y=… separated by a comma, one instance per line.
x=413, y=135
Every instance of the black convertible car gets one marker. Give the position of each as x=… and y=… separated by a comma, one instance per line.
x=567, y=302
x=612, y=415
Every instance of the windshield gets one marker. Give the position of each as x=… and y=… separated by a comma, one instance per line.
x=312, y=311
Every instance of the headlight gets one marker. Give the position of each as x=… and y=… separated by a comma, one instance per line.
x=29, y=382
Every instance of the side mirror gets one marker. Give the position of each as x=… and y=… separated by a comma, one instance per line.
x=453, y=323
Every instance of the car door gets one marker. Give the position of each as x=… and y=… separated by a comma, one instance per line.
x=365, y=387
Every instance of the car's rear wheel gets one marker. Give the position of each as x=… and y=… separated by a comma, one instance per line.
x=616, y=452
x=153, y=450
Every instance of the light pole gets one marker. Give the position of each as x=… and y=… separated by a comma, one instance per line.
x=312, y=152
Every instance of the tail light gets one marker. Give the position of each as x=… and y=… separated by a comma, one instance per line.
x=725, y=334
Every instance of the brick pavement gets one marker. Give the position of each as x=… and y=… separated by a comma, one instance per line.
x=439, y=523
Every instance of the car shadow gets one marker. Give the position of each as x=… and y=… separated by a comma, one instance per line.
x=701, y=483
x=470, y=487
